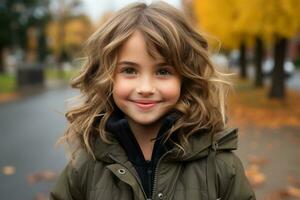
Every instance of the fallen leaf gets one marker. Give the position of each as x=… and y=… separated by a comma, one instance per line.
x=255, y=160
x=9, y=97
x=277, y=195
x=293, y=181
x=293, y=191
x=46, y=175
x=284, y=194
x=41, y=196
x=270, y=146
x=252, y=107
x=8, y=170
x=255, y=177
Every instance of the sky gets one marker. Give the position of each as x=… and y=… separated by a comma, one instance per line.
x=95, y=8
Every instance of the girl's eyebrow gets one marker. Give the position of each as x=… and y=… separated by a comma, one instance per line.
x=158, y=64
x=127, y=63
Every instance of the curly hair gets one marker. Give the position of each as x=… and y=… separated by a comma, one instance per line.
x=167, y=33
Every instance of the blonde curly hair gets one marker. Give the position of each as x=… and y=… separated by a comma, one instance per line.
x=167, y=33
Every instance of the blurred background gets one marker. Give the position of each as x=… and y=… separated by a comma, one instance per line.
x=41, y=50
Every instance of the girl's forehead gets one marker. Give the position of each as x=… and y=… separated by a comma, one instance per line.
x=135, y=47
x=135, y=40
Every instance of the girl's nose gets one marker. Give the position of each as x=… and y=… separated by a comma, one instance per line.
x=145, y=87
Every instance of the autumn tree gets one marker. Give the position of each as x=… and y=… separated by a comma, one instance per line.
x=76, y=31
x=250, y=22
x=218, y=18
x=63, y=11
x=262, y=21
x=283, y=23
x=276, y=22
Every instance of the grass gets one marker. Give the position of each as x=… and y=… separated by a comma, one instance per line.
x=7, y=83
x=56, y=74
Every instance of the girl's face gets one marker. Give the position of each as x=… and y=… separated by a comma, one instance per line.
x=144, y=88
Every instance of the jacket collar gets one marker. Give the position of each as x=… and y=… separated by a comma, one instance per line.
x=117, y=126
x=199, y=145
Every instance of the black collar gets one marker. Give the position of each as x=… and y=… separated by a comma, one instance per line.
x=118, y=125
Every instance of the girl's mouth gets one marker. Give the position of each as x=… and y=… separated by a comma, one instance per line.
x=145, y=105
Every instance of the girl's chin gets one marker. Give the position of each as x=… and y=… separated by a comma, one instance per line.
x=145, y=122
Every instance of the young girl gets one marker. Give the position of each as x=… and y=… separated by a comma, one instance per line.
x=152, y=124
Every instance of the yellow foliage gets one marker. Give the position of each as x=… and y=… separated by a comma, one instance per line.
x=77, y=32
x=70, y=34
x=217, y=17
x=269, y=18
x=236, y=20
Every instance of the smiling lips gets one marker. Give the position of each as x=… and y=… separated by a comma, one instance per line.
x=145, y=104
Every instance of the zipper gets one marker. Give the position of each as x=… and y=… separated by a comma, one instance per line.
x=149, y=173
x=155, y=173
x=137, y=178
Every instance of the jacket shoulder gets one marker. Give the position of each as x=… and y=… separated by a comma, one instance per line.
x=81, y=161
x=226, y=164
x=81, y=168
x=73, y=181
x=231, y=178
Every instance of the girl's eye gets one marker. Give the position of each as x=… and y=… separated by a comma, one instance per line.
x=164, y=72
x=129, y=71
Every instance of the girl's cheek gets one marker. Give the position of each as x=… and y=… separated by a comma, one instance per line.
x=171, y=89
x=122, y=88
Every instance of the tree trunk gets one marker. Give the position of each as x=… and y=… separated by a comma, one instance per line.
x=278, y=87
x=42, y=47
x=258, y=62
x=1, y=61
x=242, y=61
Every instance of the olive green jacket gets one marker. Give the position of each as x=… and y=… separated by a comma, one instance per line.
x=208, y=171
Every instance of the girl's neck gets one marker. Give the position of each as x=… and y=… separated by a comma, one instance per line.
x=144, y=135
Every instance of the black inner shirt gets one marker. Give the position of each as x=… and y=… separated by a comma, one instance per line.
x=118, y=125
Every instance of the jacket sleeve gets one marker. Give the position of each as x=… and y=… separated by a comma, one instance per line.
x=233, y=183
x=67, y=187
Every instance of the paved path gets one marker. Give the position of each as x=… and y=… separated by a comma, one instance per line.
x=29, y=128
x=279, y=149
